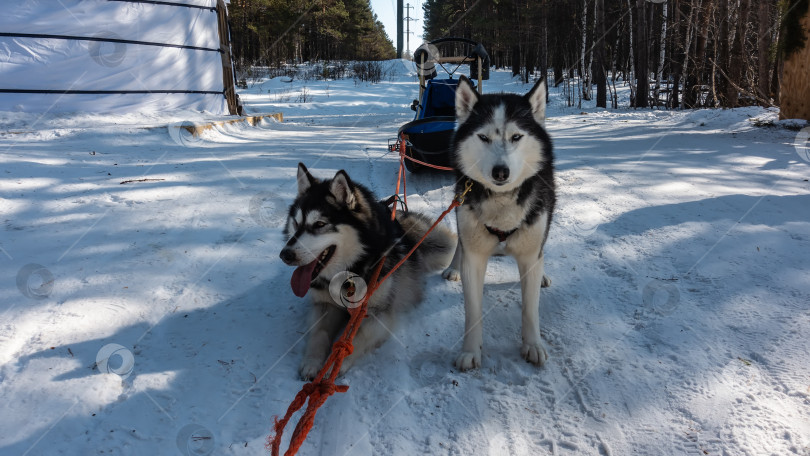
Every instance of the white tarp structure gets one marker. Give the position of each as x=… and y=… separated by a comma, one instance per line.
x=111, y=56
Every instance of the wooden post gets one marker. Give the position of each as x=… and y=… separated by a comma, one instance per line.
x=794, y=90
x=227, y=65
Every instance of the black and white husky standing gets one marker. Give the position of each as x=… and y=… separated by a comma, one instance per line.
x=500, y=145
x=336, y=229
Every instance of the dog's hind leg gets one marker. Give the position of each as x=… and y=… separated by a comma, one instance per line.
x=531, y=279
x=452, y=272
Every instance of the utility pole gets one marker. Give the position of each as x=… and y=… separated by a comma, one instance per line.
x=642, y=56
x=408, y=20
x=399, y=29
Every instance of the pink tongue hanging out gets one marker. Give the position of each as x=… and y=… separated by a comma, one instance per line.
x=301, y=278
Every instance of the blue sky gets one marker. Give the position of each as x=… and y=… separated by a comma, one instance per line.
x=386, y=12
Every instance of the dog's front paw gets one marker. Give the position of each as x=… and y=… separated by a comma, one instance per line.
x=546, y=282
x=468, y=360
x=534, y=353
x=309, y=369
x=451, y=274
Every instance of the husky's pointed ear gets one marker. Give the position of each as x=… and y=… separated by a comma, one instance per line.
x=342, y=189
x=466, y=98
x=537, y=100
x=305, y=180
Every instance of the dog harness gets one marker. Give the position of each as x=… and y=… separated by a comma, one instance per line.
x=501, y=235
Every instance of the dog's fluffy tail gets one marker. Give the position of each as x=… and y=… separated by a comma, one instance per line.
x=437, y=249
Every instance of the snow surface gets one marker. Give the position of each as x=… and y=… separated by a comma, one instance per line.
x=676, y=323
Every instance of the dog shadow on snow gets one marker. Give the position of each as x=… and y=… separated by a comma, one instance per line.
x=227, y=369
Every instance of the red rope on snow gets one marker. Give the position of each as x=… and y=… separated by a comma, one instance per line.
x=321, y=388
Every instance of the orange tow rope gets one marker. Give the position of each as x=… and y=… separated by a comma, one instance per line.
x=319, y=390
x=402, y=146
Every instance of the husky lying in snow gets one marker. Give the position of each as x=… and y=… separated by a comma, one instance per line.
x=337, y=226
x=500, y=145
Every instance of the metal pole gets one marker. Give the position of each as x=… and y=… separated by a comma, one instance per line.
x=399, y=29
x=421, y=86
x=480, y=75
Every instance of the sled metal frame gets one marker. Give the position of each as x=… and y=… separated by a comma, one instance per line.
x=450, y=59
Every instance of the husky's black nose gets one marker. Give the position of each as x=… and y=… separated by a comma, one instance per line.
x=500, y=174
x=287, y=256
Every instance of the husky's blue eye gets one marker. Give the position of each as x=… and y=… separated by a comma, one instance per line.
x=516, y=137
x=484, y=138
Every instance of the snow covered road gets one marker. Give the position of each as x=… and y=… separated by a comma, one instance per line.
x=677, y=320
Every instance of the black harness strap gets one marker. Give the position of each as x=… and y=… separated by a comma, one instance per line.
x=106, y=40
x=501, y=235
x=390, y=200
